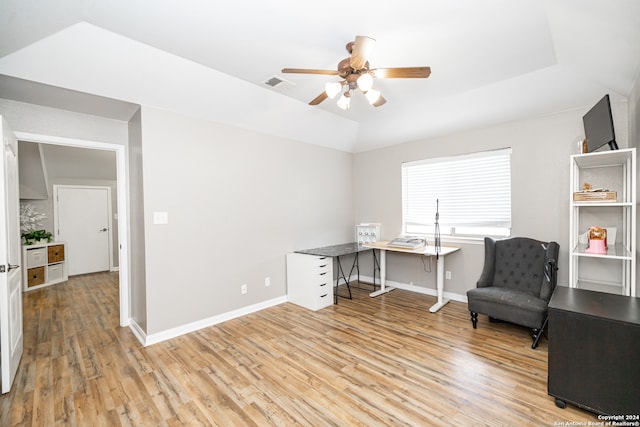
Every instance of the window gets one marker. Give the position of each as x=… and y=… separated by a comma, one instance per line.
x=473, y=194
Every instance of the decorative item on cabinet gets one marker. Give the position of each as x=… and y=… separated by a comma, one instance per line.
x=367, y=233
x=597, y=240
x=44, y=265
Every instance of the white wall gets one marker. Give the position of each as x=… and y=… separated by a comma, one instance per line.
x=54, y=122
x=540, y=189
x=237, y=203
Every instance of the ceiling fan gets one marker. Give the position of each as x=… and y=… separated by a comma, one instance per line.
x=356, y=74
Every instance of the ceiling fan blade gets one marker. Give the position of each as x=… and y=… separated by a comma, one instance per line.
x=381, y=101
x=318, y=99
x=402, y=73
x=308, y=71
x=362, y=48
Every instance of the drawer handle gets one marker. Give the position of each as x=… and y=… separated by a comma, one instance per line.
x=321, y=266
x=324, y=284
x=322, y=274
x=322, y=296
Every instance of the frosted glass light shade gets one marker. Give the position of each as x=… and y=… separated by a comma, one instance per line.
x=365, y=82
x=372, y=96
x=332, y=89
x=344, y=102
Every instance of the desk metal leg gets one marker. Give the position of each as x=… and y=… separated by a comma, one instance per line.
x=342, y=276
x=376, y=267
x=383, y=272
x=439, y=286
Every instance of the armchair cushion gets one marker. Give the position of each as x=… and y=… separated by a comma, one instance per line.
x=508, y=304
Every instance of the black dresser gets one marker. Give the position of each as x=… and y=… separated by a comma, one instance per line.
x=594, y=351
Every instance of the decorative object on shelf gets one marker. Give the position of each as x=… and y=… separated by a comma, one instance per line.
x=597, y=240
x=30, y=224
x=36, y=236
x=368, y=232
x=589, y=194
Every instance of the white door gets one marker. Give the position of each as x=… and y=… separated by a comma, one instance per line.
x=83, y=222
x=10, y=273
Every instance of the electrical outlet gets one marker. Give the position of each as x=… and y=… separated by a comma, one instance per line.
x=243, y=289
x=448, y=275
x=267, y=281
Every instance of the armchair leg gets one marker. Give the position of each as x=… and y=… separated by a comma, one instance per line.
x=474, y=319
x=537, y=333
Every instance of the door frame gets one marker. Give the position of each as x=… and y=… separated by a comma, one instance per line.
x=56, y=217
x=123, y=206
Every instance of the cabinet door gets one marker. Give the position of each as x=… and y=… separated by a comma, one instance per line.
x=593, y=362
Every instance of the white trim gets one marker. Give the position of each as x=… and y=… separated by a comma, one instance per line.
x=138, y=331
x=204, y=323
x=147, y=340
x=123, y=205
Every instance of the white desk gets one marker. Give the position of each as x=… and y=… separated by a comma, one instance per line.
x=428, y=251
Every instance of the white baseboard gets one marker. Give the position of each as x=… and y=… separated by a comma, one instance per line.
x=204, y=323
x=137, y=331
x=157, y=337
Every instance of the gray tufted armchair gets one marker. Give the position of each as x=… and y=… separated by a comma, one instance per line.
x=516, y=283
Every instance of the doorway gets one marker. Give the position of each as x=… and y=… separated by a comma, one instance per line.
x=82, y=216
x=122, y=206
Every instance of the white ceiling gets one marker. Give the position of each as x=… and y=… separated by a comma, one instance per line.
x=492, y=61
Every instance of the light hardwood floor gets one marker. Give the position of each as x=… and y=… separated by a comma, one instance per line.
x=366, y=361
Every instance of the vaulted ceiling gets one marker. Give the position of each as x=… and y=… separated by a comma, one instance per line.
x=492, y=61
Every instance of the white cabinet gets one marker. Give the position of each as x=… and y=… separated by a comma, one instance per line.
x=613, y=270
x=43, y=265
x=310, y=280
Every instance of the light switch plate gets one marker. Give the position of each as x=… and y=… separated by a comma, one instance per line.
x=160, y=217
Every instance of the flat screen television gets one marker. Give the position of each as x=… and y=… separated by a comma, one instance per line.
x=598, y=126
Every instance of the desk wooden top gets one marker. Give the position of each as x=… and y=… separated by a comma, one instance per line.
x=425, y=250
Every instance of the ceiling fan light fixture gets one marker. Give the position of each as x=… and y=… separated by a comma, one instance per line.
x=332, y=89
x=372, y=96
x=345, y=101
x=365, y=82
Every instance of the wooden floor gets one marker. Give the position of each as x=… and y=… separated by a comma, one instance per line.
x=367, y=361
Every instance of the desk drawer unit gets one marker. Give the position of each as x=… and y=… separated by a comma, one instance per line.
x=310, y=280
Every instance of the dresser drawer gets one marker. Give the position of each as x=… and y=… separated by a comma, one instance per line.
x=55, y=272
x=36, y=257
x=35, y=276
x=55, y=253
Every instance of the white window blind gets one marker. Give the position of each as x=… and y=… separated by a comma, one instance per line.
x=473, y=192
